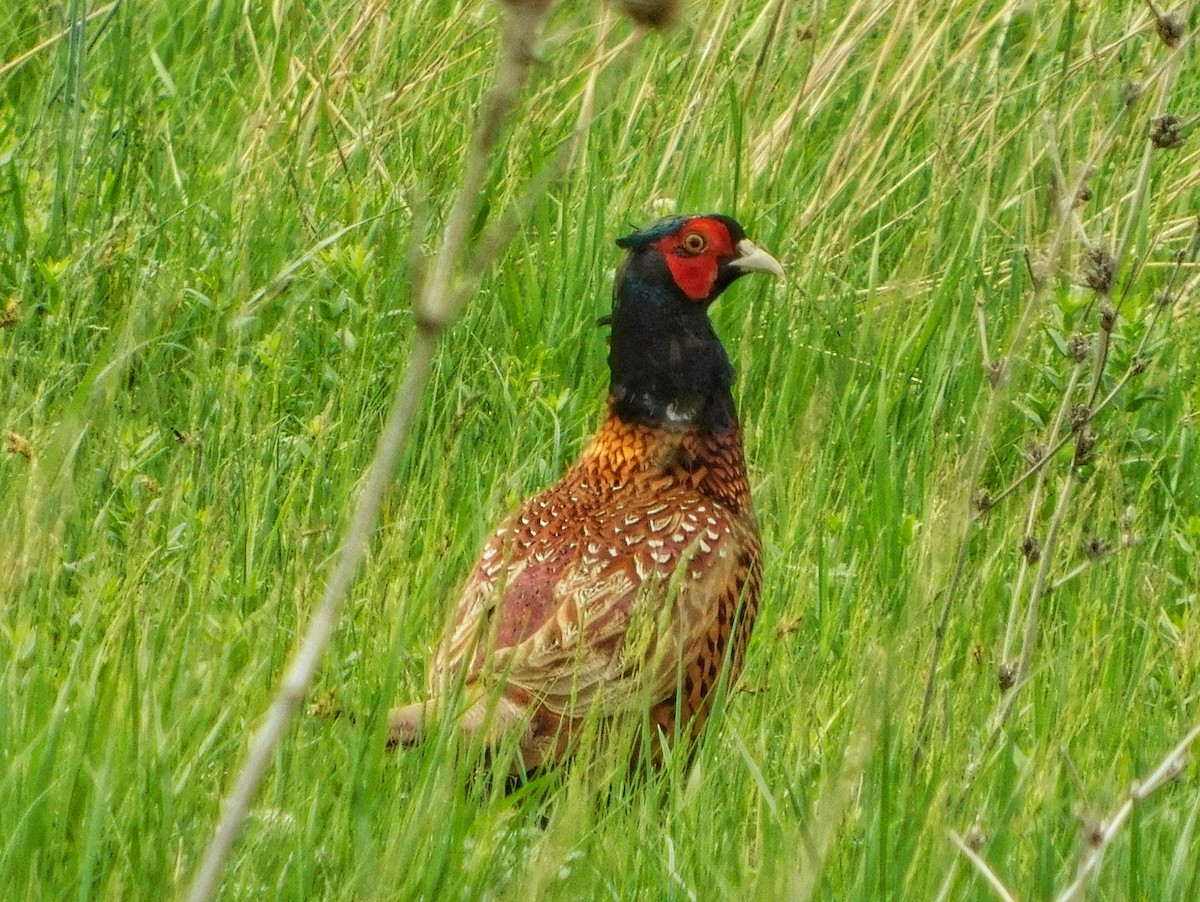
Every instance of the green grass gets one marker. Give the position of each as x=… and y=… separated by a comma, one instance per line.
x=211, y=220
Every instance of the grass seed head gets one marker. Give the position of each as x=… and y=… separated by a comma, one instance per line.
x=18, y=444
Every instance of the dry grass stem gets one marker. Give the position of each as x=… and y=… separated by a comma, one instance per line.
x=438, y=303
x=1067, y=220
x=1169, y=769
x=983, y=868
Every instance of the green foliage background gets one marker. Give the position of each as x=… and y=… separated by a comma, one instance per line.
x=211, y=219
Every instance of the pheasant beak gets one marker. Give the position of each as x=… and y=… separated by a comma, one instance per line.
x=752, y=258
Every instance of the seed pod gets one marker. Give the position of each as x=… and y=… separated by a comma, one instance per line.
x=1030, y=549
x=1100, y=270
x=1078, y=346
x=1166, y=132
x=1170, y=28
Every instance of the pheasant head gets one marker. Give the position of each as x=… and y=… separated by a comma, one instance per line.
x=668, y=368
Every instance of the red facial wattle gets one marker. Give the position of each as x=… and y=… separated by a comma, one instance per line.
x=695, y=271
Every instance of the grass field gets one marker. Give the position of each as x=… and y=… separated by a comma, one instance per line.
x=212, y=217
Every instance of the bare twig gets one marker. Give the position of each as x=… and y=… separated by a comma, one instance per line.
x=437, y=305
x=1034, y=553
x=1170, y=768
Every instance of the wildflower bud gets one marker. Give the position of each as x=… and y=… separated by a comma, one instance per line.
x=1166, y=132
x=1078, y=346
x=1108, y=316
x=650, y=13
x=1170, y=29
x=1101, y=269
x=1030, y=549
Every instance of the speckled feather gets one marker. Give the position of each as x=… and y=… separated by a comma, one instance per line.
x=617, y=587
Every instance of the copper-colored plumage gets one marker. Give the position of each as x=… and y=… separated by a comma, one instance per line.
x=628, y=588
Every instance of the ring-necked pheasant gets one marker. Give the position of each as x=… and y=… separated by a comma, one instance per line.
x=625, y=586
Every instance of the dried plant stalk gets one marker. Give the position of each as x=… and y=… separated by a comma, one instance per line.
x=439, y=302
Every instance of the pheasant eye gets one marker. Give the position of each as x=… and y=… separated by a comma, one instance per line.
x=694, y=243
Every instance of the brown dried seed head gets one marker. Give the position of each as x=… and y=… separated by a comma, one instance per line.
x=1095, y=547
x=1139, y=365
x=1078, y=347
x=1100, y=269
x=1035, y=452
x=983, y=501
x=1132, y=91
x=1108, y=316
x=1007, y=676
x=1030, y=549
x=1170, y=28
x=650, y=13
x=1166, y=132
x=1083, y=195
x=975, y=838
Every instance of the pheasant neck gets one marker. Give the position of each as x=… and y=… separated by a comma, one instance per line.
x=668, y=368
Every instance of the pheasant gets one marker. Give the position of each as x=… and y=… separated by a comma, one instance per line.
x=632, y=584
